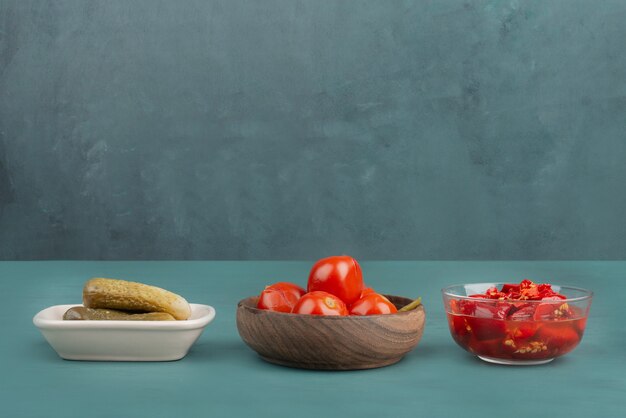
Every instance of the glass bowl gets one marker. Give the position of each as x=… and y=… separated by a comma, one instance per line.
x=516, y=332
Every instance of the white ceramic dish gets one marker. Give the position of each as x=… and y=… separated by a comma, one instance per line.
x=122, y=340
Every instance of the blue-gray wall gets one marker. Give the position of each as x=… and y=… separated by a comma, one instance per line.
x=292, y=129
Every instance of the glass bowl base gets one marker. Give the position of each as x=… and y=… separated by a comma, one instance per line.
x=514, y=362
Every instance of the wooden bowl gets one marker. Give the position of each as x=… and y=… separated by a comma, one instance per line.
x=330, y=342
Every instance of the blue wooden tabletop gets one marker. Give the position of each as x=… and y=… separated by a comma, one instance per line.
x=222, y=377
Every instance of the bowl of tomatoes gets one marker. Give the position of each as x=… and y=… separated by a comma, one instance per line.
x=336, y=323
x=517, y=324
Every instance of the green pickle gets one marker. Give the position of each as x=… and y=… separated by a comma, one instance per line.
x=91, y=314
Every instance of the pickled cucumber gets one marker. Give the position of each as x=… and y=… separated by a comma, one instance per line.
x=132, y=296
x=91, y=314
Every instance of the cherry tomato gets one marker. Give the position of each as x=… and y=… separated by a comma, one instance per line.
x=366, y=291
x=338, y=275
x=372, y=304
x=281, y=297
x=320, y=303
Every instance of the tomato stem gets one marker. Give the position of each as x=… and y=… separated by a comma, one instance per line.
x=417, y=302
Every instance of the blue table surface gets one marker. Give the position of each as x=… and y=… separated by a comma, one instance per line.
x=221, y=376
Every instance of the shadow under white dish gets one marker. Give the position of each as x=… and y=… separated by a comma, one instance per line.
x=122, y=340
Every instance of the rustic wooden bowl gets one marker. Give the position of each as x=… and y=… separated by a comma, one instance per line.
x=330, y=342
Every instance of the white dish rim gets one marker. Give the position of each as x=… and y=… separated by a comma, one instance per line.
x=201, y=315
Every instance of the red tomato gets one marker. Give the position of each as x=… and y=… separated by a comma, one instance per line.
x=372, y=304
x=320, y=303
x=366, y=291
x=338, y=275
x=281, y=297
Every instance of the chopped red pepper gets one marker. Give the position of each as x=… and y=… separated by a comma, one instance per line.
x=510, y=288
x=504, y=323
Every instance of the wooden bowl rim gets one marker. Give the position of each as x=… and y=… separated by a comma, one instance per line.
x=242, y=304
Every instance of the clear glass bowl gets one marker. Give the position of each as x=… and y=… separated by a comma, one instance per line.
x=516, y=332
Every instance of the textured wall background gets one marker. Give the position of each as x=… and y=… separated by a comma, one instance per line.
x=227, y=129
